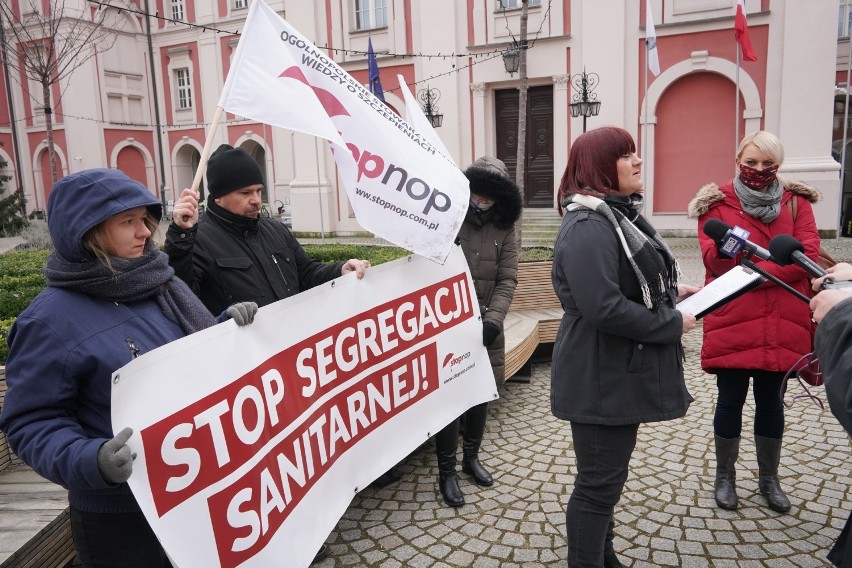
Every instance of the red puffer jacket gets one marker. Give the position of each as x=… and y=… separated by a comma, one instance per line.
x=767, y=328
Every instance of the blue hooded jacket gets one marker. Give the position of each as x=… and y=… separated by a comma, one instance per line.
x=65, y=346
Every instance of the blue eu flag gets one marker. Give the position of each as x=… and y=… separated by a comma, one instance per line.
x=373, y=70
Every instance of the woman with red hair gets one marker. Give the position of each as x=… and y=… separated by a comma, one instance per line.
x=617, y=359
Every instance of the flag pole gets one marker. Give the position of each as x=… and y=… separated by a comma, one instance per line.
x=319, y=192
x=645, y=126
x=737, y=106
x=205, y=152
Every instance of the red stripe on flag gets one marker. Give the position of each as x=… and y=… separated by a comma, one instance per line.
x=741, y=33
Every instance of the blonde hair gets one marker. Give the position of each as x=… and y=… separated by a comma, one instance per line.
x=766, y=142
x=95, y=240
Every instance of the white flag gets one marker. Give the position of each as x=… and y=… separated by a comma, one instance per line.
x=651, y=40
x=415, y=117
x=402, y=188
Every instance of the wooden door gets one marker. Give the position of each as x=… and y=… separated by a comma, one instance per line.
x=538, y=169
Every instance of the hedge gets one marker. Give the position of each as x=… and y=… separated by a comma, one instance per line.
x=23, y=274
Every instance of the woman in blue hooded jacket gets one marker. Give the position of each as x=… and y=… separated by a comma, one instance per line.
x=110, y=297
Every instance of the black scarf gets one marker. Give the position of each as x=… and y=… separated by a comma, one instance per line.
x=655, y=266
x=238, y=223
x=132, y=279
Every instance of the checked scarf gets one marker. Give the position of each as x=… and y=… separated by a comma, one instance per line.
x=656, y=274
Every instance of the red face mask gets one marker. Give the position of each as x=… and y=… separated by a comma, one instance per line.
x=756, y=179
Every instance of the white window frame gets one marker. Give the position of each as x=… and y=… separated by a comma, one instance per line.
x=844, y=19
x=240, y=4
x=371, y=14
x=514, y=4
x=183, y=89
x=178, y=10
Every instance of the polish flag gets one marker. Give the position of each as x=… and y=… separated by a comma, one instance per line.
x=741, y=33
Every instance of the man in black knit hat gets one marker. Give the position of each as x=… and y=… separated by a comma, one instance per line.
x=230, y=251
x=231, y=254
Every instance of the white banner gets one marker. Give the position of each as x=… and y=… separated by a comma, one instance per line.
x=401, y=186
x=252, y=441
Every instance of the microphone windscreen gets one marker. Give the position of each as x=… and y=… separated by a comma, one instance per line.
x=716, y=229
x=782, y=247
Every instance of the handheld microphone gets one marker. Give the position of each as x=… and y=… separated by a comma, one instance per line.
x=731, y=240
x=790, y=250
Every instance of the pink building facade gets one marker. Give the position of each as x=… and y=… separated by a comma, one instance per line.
x=148, y=111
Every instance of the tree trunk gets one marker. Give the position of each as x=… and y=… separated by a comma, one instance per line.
x=48, y=126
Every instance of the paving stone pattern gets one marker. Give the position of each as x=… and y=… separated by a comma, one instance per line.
x=666, y=517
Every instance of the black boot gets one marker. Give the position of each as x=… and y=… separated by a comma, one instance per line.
x=610, y=558
x=389, y=477
x=768, y=458
x=446, y=444
x=321, y=554
x=725, y=491
x=474, y=429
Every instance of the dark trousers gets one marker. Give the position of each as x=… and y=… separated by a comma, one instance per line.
x=603, y=456
x=116, y=540
x=732, y=387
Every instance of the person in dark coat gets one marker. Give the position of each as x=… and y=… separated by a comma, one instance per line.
x=762, y=334
x=833, y=342
x=111, y=296
x=231, y=253
x=617, y=358
x=489, y=239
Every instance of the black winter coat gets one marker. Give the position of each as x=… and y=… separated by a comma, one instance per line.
x=833, y=344
x=615, y=362
x=227, y=258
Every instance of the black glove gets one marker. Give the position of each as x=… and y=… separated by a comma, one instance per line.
x=115, y=460
x=489, y=333
x=242, y=312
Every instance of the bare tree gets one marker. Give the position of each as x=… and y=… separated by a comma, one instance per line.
x=46, y=41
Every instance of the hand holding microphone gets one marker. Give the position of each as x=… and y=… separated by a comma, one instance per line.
x=733, y=240
x=838, y=273
x=789, y=250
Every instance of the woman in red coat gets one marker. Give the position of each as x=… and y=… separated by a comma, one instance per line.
x=763, y=333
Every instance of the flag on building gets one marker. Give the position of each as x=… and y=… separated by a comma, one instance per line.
x=741, y=33
x=400, y=186
x=373, y=69
x=651, y=40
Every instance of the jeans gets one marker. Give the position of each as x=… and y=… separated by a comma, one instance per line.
x=732, y=385
x=603, y=456
x=116, y=540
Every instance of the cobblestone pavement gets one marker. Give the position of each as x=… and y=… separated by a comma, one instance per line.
x=666, y=517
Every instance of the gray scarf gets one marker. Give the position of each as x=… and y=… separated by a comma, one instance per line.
x=765, y=206
x=132, y=279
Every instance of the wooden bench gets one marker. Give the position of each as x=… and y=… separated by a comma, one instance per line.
x=36, y=527
x=533, y=317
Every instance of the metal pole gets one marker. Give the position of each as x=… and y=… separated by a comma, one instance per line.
x=16, y=146
x=645, y=111
x=845, y=132
x=319, y=192
x=156, y=107
x=737, y=108
x=585, y=99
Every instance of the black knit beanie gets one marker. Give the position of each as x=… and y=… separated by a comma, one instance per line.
x=229, y=169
